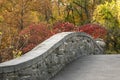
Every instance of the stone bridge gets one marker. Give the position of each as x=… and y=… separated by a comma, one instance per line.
x=49, y=61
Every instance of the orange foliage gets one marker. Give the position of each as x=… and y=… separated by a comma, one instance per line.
x=7, y=42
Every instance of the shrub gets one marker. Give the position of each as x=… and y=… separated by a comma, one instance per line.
x=94, y=30
x=63, y=27
x=33, y=35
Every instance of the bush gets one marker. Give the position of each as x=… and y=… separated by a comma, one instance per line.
x=94, y=30
x=63, y=27
x=33, y=35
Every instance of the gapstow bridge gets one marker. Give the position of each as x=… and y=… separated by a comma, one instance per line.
x=64, y=56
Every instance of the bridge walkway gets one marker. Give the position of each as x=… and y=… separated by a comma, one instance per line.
x=93, y=67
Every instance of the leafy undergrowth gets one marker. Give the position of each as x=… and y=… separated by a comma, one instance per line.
x=34, y=34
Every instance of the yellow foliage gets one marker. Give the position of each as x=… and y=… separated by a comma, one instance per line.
x=1, y=19
x=16, y=53
x=34, y=16
x=8, y=35
x=0, y=33
x=107, y=12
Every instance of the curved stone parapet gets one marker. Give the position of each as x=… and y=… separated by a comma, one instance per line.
x=49, y=57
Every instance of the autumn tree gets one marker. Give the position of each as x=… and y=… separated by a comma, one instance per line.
x=15, y=12
x=14, y=16
x=43, y=8
x=108, y=14
x=81, y=11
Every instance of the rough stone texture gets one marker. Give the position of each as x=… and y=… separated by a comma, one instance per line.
x=48, y=58
x=100, y=42
x=92, y=67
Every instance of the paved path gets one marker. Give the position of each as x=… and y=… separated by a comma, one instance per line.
x=94, y=67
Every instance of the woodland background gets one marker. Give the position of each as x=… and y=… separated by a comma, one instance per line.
x=26, y=23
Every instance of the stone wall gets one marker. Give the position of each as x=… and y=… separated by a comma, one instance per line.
x=49, y=57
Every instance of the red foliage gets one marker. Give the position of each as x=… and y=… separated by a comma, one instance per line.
x=94, y=30
x=63, y=27
x=28, y=47
x=33, y=35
